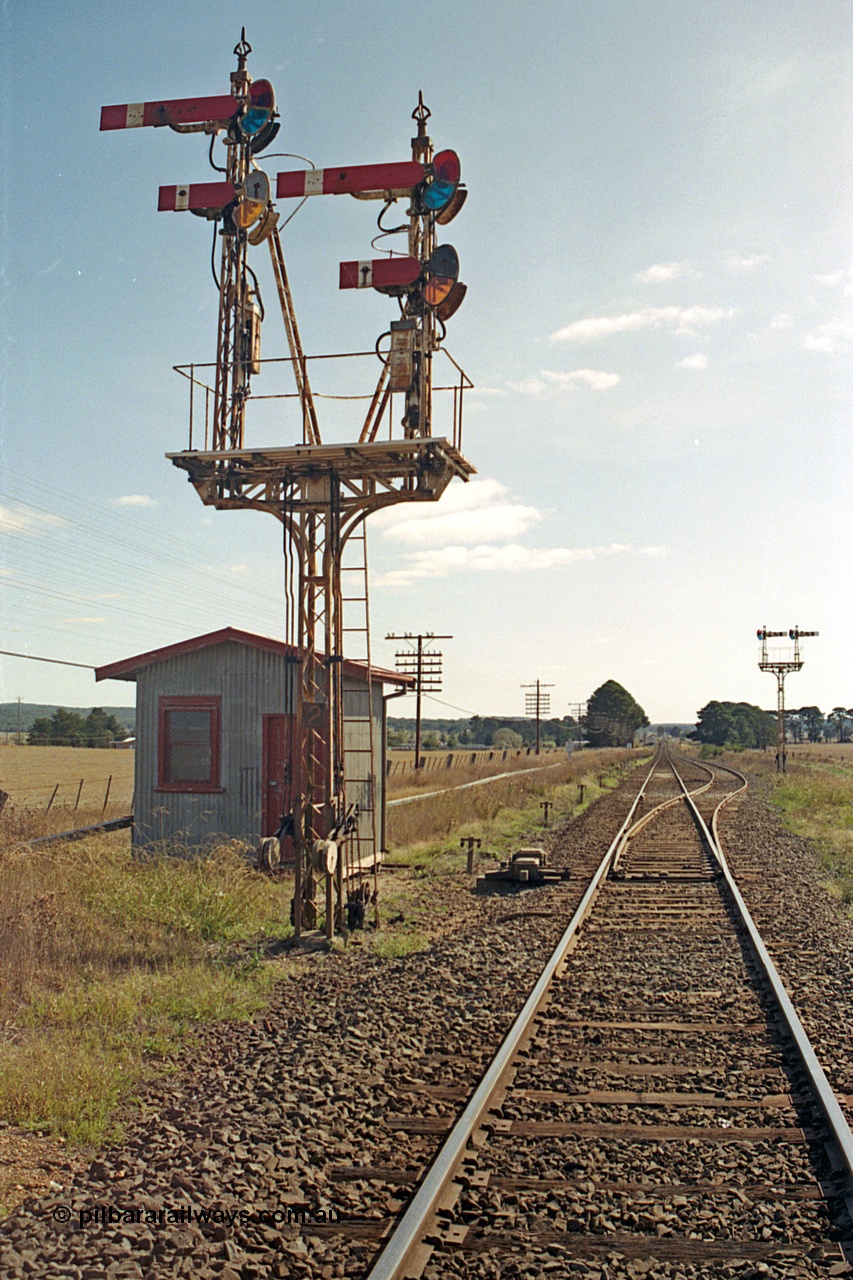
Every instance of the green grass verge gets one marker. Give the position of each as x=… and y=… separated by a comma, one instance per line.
x=816, y=801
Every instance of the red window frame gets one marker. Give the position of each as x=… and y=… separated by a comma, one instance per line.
x=213, y=704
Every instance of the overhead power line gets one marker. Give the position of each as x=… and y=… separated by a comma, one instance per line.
x=59, y=662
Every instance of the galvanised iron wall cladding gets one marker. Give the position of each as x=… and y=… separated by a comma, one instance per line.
x=250, y=684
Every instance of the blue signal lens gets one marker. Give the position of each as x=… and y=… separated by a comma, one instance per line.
x=254, y=120
x=260, y=109
x=438, y=194
x=440, y=191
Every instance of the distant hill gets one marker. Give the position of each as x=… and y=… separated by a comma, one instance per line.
x=31, y=711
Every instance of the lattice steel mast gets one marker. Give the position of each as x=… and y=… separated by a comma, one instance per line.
x=781, y=666
x=320, y=491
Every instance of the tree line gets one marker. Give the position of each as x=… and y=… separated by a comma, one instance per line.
x=612, y=719
x=70, y=729
x=740, y=724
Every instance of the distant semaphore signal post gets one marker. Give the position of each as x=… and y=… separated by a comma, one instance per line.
x=781, y=663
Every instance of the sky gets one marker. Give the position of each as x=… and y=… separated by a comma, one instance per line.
x=657, y=248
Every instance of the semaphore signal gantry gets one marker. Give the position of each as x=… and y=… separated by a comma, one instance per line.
x=781, y=664
x=321, y=490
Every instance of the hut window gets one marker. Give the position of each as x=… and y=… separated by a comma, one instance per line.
x=189, y=744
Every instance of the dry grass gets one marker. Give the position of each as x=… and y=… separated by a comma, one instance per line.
x=501, y=811
x=107, y=960
x=30, y=774
x=410, y=782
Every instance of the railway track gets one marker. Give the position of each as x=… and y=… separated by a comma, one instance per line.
x=655, y=1108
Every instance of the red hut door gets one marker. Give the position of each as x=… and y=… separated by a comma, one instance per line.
x=280, y=759
x=282, y=775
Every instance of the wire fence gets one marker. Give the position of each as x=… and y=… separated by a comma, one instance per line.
x=399, y=763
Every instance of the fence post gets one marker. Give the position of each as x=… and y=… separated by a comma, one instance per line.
x=79, y=792
x=107, y=796
x=52, y=798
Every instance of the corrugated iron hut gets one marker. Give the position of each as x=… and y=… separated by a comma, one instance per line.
x=215, y=726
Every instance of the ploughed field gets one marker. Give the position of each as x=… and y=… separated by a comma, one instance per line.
x=333, y=1102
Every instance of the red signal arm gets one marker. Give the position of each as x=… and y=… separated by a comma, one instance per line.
x=398, y=177
x=379, y=273
x=135, y=115
x=196, y=195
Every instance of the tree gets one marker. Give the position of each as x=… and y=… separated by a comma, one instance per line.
x=506, y=738
x=62, y=729
x=735, y=724
x=813, y=719
x=838, y=718
x=101, y=729
x=70, y=729
x=613, y=716
x=795, y=725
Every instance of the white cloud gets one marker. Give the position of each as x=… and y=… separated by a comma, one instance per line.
x=738, y=263
x=480, y=511
x=112, y=595
x=783, y=321
x=682, y=320
x=532, y=385
x=84, y=621
x=547, y=382
x=134, y=500
x=21, y=519
x=834, y=278
x=511, y=558
x=699, y=361
x=830, y=337
x=660, y=272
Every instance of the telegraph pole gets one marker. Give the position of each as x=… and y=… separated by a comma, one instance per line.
x=537, y=704
x=580, y=709
x=781, y=665
x=425, y=665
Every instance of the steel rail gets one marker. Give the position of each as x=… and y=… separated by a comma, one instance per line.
x=834, y=1116
x=478, y=782
x=400, y=1246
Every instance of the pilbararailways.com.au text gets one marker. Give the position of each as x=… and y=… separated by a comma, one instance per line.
x=103, y=1215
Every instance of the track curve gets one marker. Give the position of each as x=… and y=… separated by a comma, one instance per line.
x=649, y=1103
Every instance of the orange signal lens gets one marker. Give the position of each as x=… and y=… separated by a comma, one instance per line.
x=247, y=212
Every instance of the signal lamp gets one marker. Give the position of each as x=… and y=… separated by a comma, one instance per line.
x=257, y=122
x=260, y=109
x=442, y=273
x=253, y=200
x=439, y=191
x=452, y=302
x=450, y=210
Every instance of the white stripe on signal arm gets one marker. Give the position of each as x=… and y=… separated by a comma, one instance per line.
x=365, y=274
x=182, y=199
x=314, y=182
x=135, y=115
